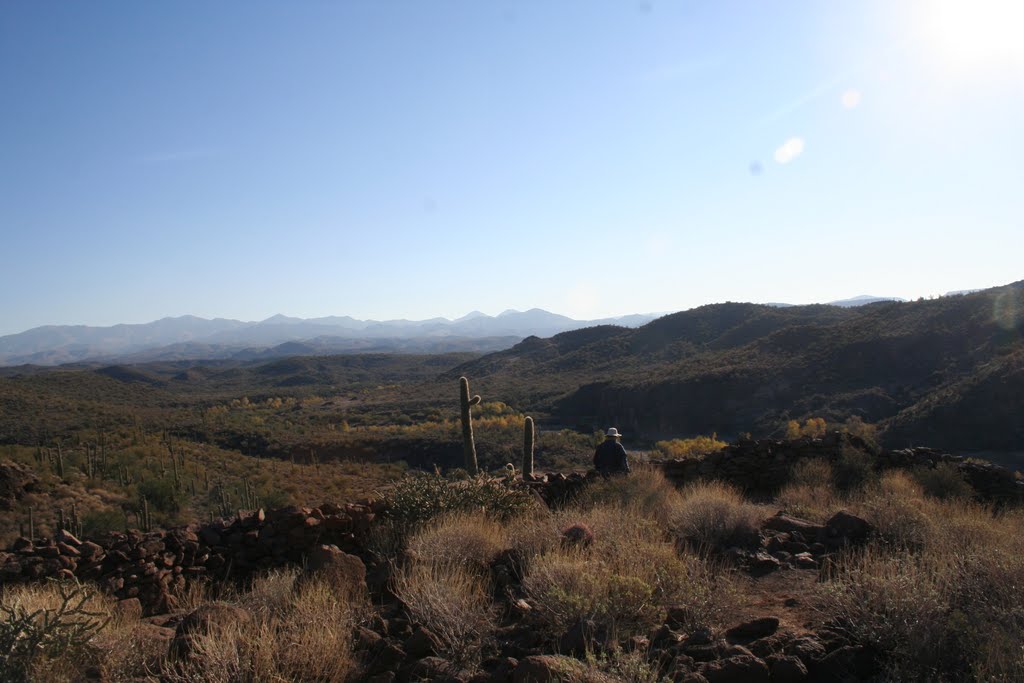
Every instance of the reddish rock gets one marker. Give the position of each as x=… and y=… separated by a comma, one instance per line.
x=753, y=629
x=48, y=551
x=68, y=550
x=90, y=550
x=65, y=536
x=129, y=609
x=336, y=567
x=206, y=619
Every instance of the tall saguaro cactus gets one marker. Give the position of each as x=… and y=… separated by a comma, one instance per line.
x=468, y=446
x=528, y=435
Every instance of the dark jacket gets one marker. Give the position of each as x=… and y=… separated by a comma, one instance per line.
x=610, y=458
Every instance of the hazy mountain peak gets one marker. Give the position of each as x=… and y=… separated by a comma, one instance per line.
x=472, y=315
x=862, y=300
x=280, y=319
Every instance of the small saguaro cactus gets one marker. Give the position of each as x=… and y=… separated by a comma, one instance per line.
x=468, y=446
x=60, y=461
x=528, y=434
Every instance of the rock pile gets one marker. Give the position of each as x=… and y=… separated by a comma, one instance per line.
x=153, y=567
x=763, y=467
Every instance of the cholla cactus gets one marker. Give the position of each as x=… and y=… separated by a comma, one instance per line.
x=468, y=445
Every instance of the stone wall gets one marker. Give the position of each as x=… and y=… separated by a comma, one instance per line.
x=156, y=566
x=761, y=468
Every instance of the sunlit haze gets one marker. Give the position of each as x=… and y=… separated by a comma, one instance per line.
x=411, y=160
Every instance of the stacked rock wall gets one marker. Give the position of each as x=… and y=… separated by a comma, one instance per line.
x=761, y=468
x=155, y=566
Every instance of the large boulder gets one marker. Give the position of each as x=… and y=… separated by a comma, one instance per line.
x=738, y=669
x=206, y=620
x=752, y=629
x=844, y=528
x=787, y=669
x=784, y=523
x=341, y=571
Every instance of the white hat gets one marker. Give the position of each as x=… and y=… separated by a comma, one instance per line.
x=612, y=432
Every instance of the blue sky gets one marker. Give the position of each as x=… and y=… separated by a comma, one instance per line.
x=414, y=159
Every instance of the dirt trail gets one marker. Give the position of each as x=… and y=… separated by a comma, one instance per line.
x=786, y=594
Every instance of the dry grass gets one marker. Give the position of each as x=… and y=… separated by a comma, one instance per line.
x=939, y=591
x=453, y=601
x=623, y=581
x=470, y=538
x=297, y=636
x=809, y=493
x=892, y=602
x=898, y=509
x=714, y=515
x=272, y=595
x=645, y=491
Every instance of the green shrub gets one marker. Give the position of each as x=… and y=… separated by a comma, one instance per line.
x=160, y=495
x=944, y=481
x=419, y=497
x=98, y=522
x=853, y=470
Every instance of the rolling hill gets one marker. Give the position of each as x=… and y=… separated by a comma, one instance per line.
x=948, y=371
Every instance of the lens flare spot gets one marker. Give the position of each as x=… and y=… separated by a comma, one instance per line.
x=790, y=149
x=1005, y=311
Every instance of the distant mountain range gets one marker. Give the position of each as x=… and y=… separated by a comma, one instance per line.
x=192, y=338
x=189, y=337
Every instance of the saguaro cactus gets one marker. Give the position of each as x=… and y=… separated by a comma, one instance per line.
x=468, y=446
x=528, y=434
x=60, y=461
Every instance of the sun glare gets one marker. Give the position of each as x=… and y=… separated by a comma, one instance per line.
x=975, y=33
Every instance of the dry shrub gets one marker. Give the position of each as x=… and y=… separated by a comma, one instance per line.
x=853, y=470
x=308, y=640
x=451, y=600
x=714, y=515
x=195, y=592
x=940, y=594
x=470, y=538
x=271, y=595
x=645, y=490
x=810, y=493
x=898, y=510
x=894, y=603
x=531, y=536
x=623, y=581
